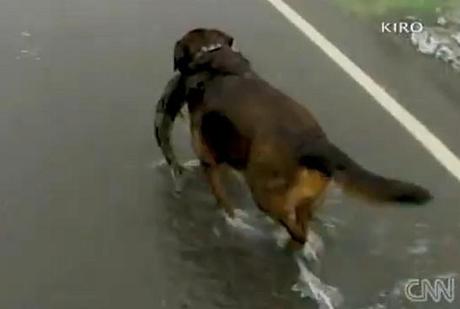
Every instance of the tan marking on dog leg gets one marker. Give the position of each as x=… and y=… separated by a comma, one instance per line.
x=309, y=184
x=213, y=176
x=301, y=199
x=212, y=171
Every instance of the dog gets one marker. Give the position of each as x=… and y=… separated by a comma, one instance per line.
x=239, y=121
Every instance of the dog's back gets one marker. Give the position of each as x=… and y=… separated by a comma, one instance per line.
x=257, y=112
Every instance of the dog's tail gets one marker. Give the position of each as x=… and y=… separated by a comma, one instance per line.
x=334, y=163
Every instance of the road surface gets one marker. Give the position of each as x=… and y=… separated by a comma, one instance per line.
x=88, y=221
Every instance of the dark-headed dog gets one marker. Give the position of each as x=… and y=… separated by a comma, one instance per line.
x=240, y=121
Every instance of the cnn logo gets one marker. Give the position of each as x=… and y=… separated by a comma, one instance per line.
x=437, y=290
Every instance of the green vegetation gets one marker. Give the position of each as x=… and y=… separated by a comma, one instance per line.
x=384, y=7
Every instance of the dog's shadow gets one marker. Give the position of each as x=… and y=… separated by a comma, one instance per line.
x=232, y=266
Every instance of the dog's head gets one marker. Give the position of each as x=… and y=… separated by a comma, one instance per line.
x=196, y=43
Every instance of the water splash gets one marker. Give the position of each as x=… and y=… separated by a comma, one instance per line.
x=281, y=236
x=420, y=247
x=442, y=41
x=179, y=180
x=239, y=221
x=313, y=247
x=308, y=285
x=29, y=50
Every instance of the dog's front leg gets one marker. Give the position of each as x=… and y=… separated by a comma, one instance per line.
x=211, y=168
x=213, y=174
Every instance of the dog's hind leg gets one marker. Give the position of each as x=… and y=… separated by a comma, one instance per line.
x=304, y=214
x=302, y=198
x=303, y=239
x=296, y=231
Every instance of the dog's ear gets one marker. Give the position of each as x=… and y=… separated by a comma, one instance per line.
x=181, y=56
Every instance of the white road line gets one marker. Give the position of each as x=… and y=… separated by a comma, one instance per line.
x=417, y=129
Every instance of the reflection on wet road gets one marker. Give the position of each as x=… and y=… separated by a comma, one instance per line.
x=86, y=221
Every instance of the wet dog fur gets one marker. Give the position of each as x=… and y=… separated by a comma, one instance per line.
x=240, y=121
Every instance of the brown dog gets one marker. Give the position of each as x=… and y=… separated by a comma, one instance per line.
x=241, y=121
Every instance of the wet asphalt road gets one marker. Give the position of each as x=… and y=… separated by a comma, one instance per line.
x=87, y=221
